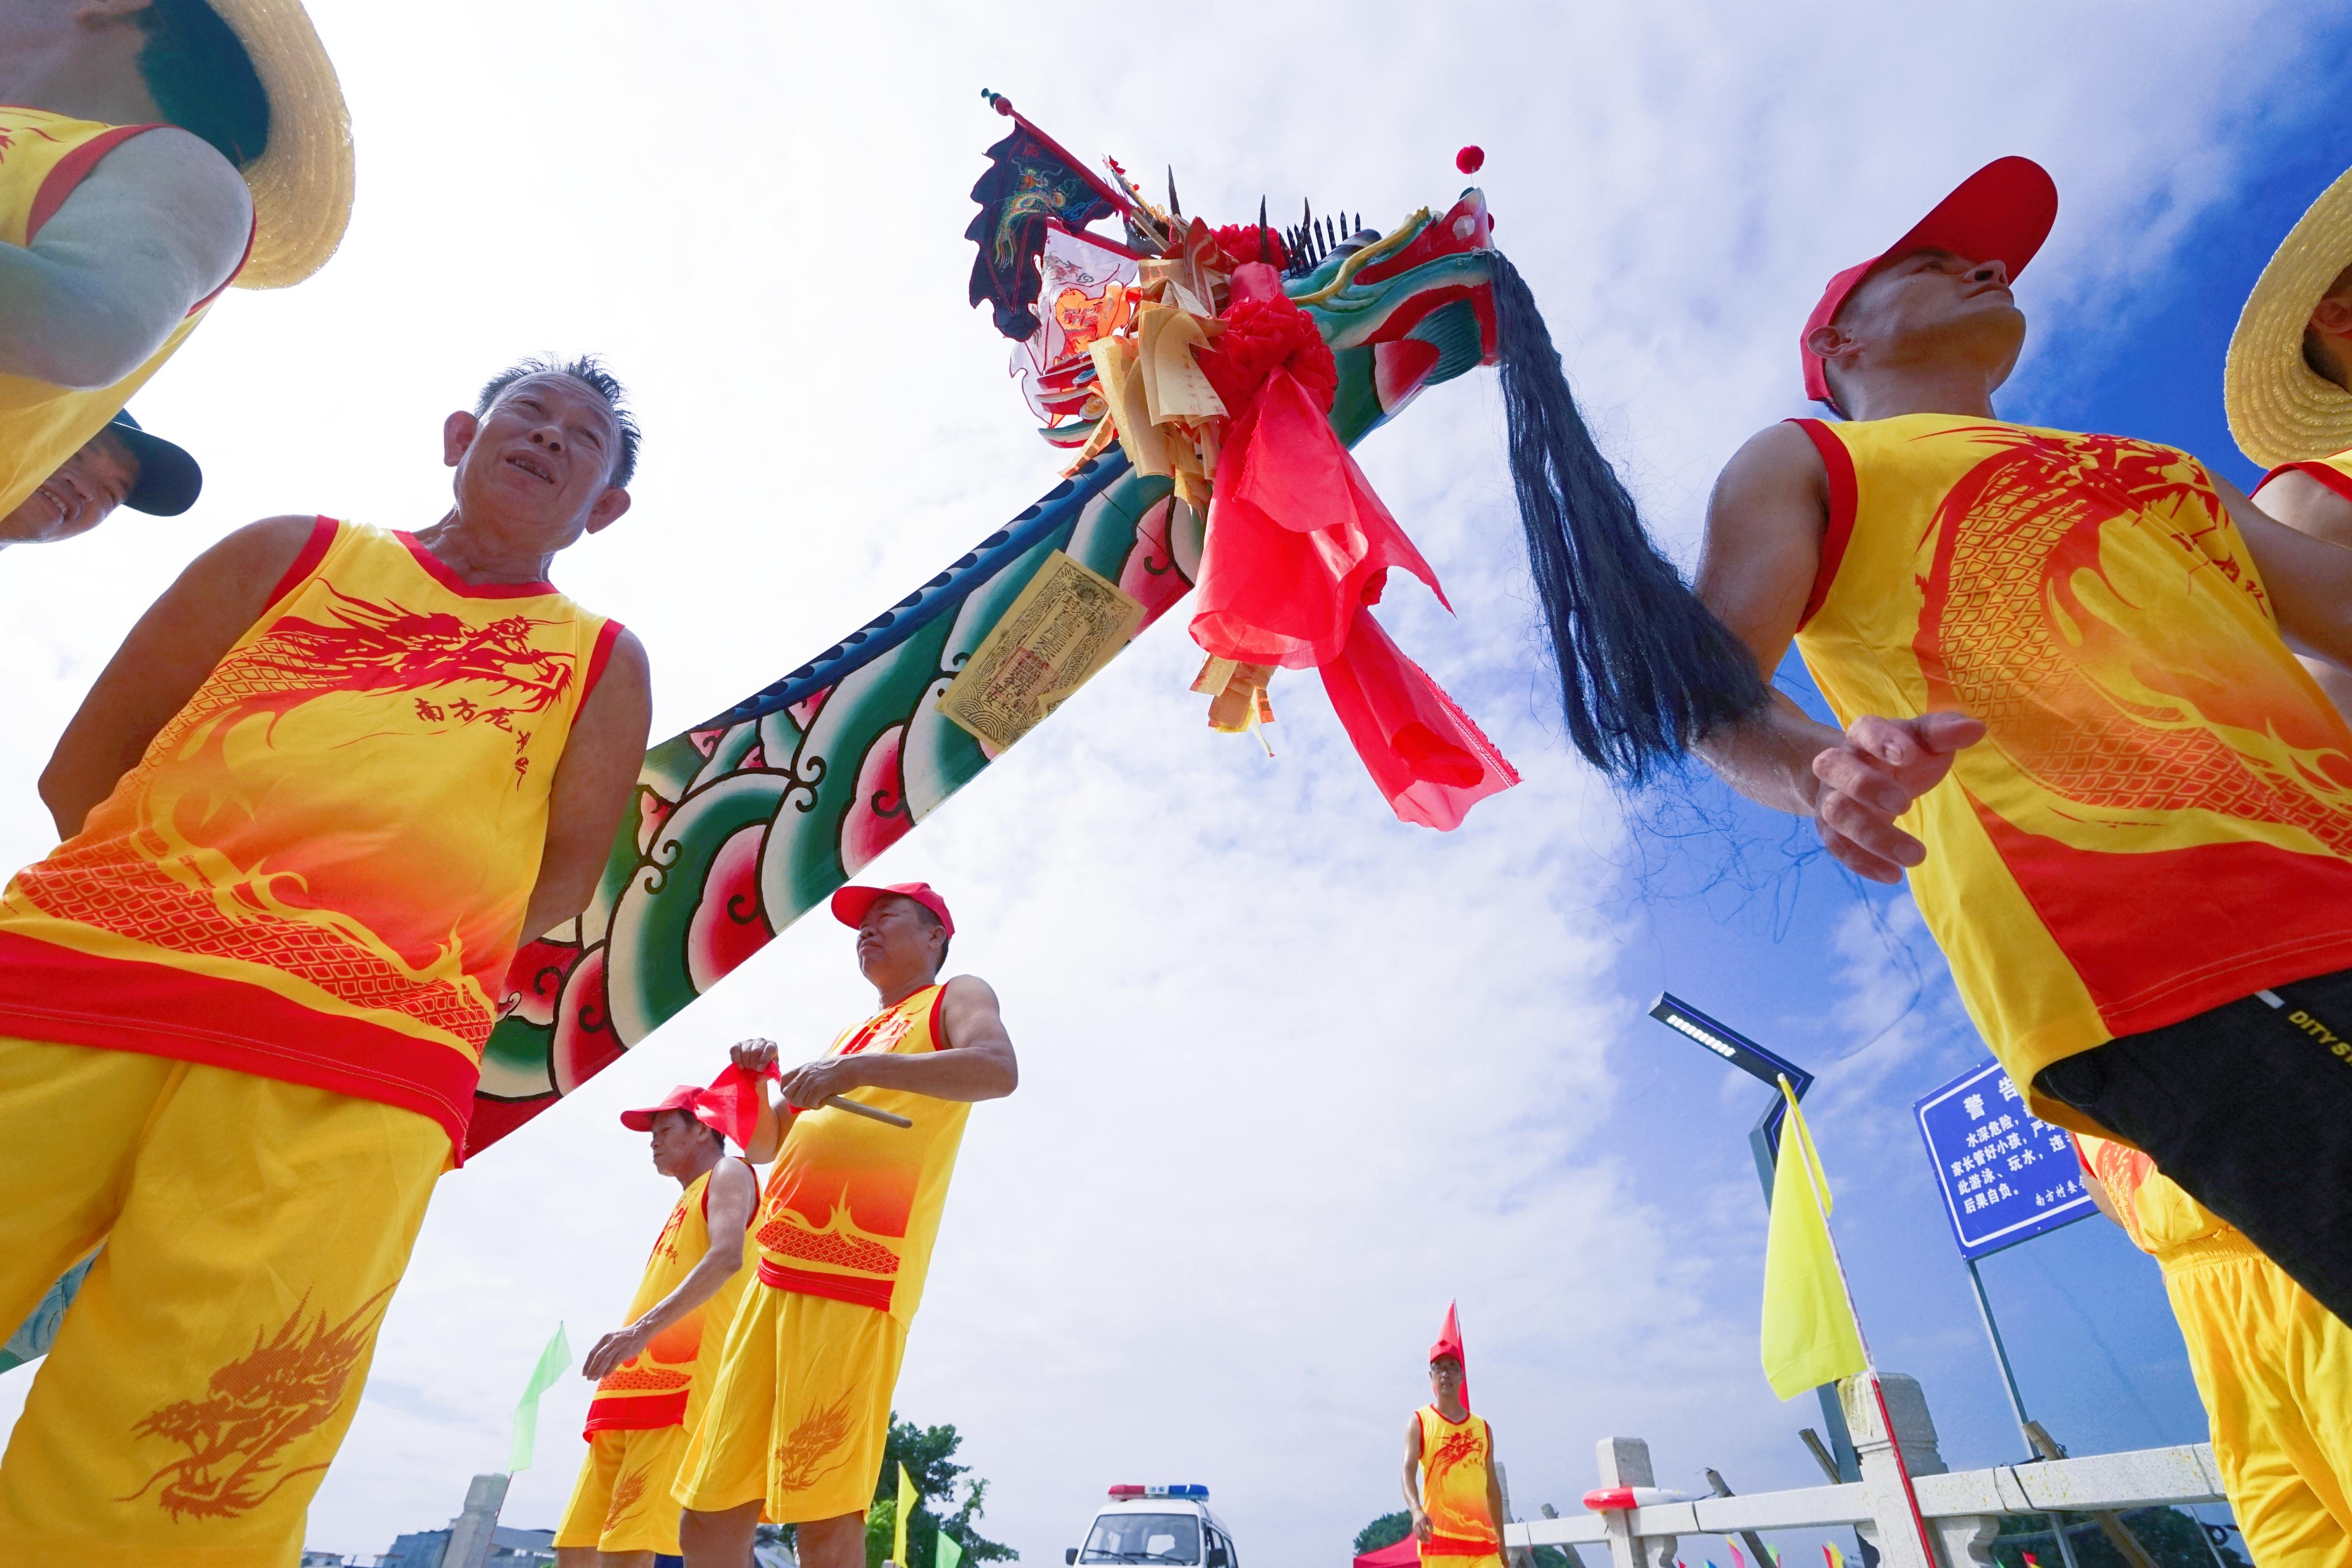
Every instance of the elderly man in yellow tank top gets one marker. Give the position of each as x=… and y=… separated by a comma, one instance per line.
x=801, y=1409
x=652, y=1376
x=152, y=152
x=1452, y=1484
x=327, y=785
x=2062, y=663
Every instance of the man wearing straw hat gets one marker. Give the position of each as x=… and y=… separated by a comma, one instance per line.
x=2061, y=662
x=800, y=1413
x=164, y=149
x=653, y=1377
x=2287, y=386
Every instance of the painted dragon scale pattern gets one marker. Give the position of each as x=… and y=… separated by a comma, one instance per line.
x=745, y=823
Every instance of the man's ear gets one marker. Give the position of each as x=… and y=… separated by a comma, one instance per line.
x=457, y=433
x=606, y=508
x=2333, y=317
x=1828, y=343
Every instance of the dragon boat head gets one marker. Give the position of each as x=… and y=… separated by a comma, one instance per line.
x=1405, y=311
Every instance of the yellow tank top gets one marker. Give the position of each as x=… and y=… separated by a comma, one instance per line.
x=42, y=158
x=2160, y=818
x=317, y=872
x=1456, y=1459
x=853, y=1205
x=667, y=1382
x=2162, y=1220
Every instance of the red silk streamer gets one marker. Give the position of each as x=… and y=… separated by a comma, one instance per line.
x=1298, y=547
x=733, y=1098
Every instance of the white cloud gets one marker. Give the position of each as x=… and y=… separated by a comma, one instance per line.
x=1295, y=1074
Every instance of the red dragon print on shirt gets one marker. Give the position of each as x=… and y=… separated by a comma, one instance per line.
x=2021, y=628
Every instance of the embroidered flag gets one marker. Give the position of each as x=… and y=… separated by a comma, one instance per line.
x=1028, y=181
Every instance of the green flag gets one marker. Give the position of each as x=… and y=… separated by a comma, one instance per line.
x=552, y=1362
x=948, y=1553
x=905, y=1507
x=1810, y=1333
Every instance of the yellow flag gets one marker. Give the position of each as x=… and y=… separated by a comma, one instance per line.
x=1810, y=1337
x=905, y=1507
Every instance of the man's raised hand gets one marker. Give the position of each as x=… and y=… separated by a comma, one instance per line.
x=1872, y=776
x=754, y=1056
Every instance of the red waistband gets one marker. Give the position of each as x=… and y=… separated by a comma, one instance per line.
x=71, y=998
x=855, y=1290
x=636, y=1413
x=1458, y=1546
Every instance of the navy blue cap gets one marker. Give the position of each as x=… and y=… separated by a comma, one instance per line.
x=169, y=479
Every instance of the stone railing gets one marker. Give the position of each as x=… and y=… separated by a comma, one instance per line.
x=1963, y=1509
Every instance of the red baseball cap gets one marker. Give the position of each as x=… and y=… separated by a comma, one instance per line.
x=2001, y=213
x=850, y=904
x=685, y=1097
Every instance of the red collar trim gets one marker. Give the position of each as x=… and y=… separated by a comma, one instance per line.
x=441, y=572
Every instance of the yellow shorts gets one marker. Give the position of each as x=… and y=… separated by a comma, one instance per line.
x=2275, y=1369
x=800, y=1411
x=623, y=1500
x=203, y=1378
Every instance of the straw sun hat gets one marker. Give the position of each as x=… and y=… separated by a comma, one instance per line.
x=302, y=184
x=2279, y=410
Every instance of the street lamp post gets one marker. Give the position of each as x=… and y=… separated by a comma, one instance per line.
x=1764, y=1143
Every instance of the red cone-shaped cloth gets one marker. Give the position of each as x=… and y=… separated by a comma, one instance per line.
x=1449, y=1342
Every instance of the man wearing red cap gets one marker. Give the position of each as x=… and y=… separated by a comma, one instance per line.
x=801, y=1408
x=1453, y=1488
x=2062, y=661
x=654, y=1376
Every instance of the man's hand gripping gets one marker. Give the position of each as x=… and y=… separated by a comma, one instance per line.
x=1872, y=776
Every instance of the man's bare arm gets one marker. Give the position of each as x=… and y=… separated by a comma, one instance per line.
x=166, y=657
x=729, y=1198
x=1411, y=1479
x=975, y=1060
x=1764, y=529
x=2308, y=506
x=594, y=785
x=159, y=224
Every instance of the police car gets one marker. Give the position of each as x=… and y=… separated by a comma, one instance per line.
x=1167, y=1527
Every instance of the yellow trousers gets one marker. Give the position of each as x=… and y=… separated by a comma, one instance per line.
x=624, y=1499
x=800, y=1411
x=2275, y=1370
x=202, y=1380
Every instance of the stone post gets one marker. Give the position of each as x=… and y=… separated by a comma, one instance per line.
x=470, y=1531
x=1625, y=1462
x=1960, y=1541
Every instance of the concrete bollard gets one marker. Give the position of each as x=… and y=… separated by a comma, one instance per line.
x=1963, y=1541
x=471, y=1531
x=1625, y=1462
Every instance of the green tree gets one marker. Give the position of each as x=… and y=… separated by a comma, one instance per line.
x=929, y=1454
x=1385, y=1530
x=2172, y=1538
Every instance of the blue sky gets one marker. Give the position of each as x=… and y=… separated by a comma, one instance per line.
x=1295, y=1074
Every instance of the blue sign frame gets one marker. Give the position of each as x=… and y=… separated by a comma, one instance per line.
x=2005, y=1175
